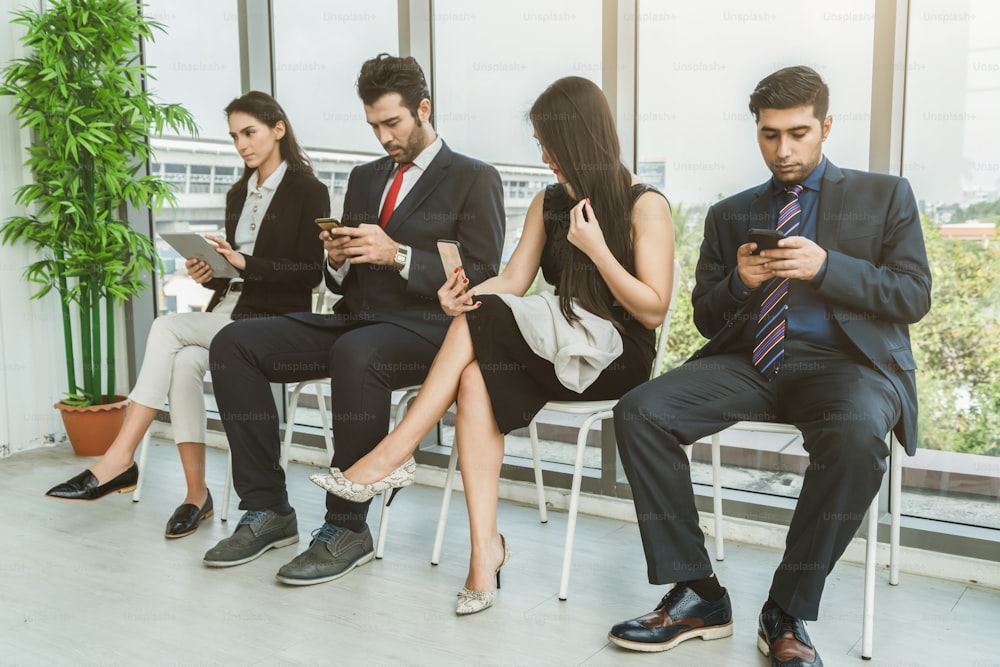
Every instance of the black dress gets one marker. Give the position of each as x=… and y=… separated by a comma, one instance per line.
x=519, y=381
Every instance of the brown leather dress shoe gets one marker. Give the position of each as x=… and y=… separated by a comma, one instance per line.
x=681, y=615
x=785, y=639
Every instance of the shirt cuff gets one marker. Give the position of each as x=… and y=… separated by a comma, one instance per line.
x=338, y=275
x=818, y=278
x=737, y=289
x=405, y=271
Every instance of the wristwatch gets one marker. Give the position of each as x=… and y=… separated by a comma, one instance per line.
x=402, y=252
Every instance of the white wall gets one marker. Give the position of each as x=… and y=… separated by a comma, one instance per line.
x=31, y=357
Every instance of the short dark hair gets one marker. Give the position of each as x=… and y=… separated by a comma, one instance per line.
x=385, y=74
x=791, y=87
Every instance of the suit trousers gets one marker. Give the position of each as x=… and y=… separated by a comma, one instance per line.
x=844, y=409
x=174, y=366
x=365, y=361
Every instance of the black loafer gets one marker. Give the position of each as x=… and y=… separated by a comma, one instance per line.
x=681, y=615
x=785, y=639
x=186, y=518
x=85, y=487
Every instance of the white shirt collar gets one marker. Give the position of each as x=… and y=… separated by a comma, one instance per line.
x=428, y=154
x=272, y=181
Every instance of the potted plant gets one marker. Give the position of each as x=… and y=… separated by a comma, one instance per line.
x=80, y=91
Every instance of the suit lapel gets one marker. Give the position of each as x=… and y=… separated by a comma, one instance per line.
x=831, y=206
x=427, y=183
x=269, y=229
x=761, y=211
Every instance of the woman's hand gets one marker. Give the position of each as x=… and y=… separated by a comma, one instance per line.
x=235, y=258
x=585, y=233
x=199, y=270
x=454, y=295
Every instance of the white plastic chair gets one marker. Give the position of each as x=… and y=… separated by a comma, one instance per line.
x=293, y=403
x=595, y=411
x=896, y=454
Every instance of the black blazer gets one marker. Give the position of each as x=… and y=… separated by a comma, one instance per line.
x=877, y=279
x=456, y=198
x=288, y=255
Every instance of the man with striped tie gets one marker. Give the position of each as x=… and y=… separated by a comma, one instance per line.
x=812, y=332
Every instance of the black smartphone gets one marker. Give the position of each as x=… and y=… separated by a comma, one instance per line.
x=451, y=255
x=766, y=239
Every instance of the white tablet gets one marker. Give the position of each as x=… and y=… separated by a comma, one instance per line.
x=189, y=245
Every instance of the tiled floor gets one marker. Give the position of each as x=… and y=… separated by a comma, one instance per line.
x=96, y=583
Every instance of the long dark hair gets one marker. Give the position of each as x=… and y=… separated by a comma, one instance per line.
x=266, y=109
x=573, y=121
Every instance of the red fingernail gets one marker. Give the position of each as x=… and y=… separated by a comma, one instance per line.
x=465, y=280
x=479, y=303
x=588, y=201
x=457, y=269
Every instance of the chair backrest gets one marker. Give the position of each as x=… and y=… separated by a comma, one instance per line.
x=661, y=345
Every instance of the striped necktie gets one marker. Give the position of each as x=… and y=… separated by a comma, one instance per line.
x=771, y=320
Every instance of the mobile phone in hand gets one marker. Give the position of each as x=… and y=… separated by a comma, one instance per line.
x=451, y=256
x=766, y=239
x=326, y=224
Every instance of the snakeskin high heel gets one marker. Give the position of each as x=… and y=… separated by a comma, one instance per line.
x=472, y=602
x=339, y=485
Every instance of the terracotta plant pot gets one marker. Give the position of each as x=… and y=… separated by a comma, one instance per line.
x=91, y=429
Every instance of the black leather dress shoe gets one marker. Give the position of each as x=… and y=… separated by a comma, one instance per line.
x=681, y=615
x=85, y=487
x=186, y=518
x=785, y=639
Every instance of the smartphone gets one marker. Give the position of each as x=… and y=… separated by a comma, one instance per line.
x=451, y=256
x=766, y=239
x=326, y=224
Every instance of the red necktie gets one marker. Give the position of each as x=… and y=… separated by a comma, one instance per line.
x=390, y=199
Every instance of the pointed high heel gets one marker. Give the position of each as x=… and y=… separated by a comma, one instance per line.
x=338, y=485
x=472, y=602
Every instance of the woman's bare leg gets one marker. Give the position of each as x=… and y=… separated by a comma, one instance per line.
x=436, y=395
x=121, y=453
x=193, y=462
x=480, y=455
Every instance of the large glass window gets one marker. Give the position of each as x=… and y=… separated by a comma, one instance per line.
x=491, y=60
x=196, y=64
x=697, y=64
x=951, y=155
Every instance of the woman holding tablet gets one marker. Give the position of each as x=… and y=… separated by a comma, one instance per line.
x=273, y=243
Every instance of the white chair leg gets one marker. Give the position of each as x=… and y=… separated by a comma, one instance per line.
x=896, y=453
x=293, y=406
x=574, y=504
x=449, y=483
x=720, y=553
x=539, y=484
x=144, y=447
x=383, y=525
x=324, y=419
x=227, y=487
x=871, y=545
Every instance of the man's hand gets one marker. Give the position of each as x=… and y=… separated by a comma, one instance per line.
x=752, y=268
x=365, y=244
x=796, y=258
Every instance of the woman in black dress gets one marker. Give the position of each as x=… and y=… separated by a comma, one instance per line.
x=606, y=242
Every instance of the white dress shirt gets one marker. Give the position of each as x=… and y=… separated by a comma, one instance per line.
x=410, y=178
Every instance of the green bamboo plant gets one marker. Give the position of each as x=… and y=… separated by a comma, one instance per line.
x=80, y=91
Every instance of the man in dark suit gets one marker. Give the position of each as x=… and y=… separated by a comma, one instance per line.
x=382, y=335
x=812, y=333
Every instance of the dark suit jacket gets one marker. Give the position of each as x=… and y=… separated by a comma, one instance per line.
x=287, y=262
x=877, y=280
x=456, y=198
